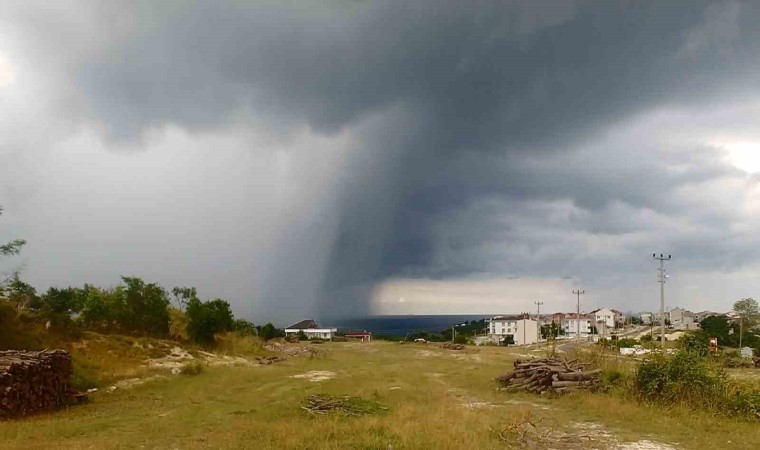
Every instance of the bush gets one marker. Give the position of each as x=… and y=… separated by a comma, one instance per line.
x=625, y=342
x=205, y=319
x=302, y=336
x=696, y=343
x=269, y=331
x=460, y=339
x=689, y=379
x=244, y=327
x=191, y=368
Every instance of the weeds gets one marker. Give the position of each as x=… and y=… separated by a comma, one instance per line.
x=686, y=378
x=191, y=368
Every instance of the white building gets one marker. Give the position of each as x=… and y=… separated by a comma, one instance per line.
x=521, y=328
x=646, y=318
x=570, y=324
x=605, y=315
x=311, y=330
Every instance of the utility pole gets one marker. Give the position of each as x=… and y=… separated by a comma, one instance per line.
x=578, y=292
x=538, y=320
x=662, y=278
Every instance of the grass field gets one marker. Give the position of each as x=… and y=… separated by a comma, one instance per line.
x=435, y=398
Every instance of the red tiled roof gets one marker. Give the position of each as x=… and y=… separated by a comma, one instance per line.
x=304, y=325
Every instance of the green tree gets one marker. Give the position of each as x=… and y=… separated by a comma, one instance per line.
x=749, y=313
x=13, y=247
x=269, y=331
x=721, y=328
x=146, y=307
x=20, y=293
x=205, y=319
x=183, y=295
x=103, y=309
x=245, y=327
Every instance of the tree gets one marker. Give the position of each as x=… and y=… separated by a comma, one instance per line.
x=551, y=330
x=302, y=336
x=20, y=293
x=146, y=307
x=182, y=295
x=205, y=319
x=11, y=248
x=245, y=327
x=508, y=340
x=749, y=313
x=721, y=328
x=268, y=332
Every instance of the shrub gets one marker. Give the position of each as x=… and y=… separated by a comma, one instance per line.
x=244, y=327
x=687, y=378
x=460, y=339
x=205, y=319
x=612, y=377
x=302, y=336
x=178, y=325
x=626, y=342
x=269, y=331
x=191, y=368
x=696, y=342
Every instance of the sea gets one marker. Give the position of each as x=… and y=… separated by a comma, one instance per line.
x=401, y=325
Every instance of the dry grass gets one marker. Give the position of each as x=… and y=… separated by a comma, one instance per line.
x=443, y=400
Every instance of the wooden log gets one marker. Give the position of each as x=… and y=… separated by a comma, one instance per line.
x=579, y=376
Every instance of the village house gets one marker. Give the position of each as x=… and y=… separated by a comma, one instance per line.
x=702, y=315
x=521, y=328
x=606, y=316
x=363, y=335
x=570, y=323
x=311, y=330
x=682, y=319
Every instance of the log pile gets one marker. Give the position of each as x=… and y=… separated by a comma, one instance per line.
x=550, y=375
x=452, y=346
x=34, y=381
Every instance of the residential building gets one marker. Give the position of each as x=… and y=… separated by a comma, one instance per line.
x=570, y=323
x=619, y=318
x=311, y=330
x=682, y=319
x=702, y=315
x=521, y=328
x=605, y=315
x=363, y=336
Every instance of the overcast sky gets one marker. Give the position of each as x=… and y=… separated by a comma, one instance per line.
x=315, y=159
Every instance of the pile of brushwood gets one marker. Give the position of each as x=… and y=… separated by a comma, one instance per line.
x=34, y=381
x=347, y=406
x=552, y=375
x=452, y=346
x=268, y=360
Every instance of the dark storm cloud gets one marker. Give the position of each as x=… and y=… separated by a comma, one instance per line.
x=486, y=113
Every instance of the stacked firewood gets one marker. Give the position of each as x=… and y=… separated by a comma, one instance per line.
x=452, y=346
x=550, y=375
x=34, y=381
